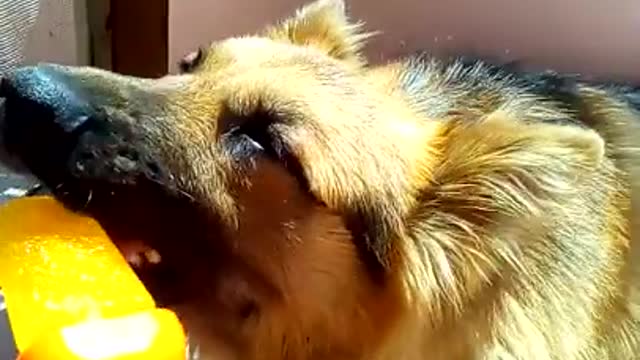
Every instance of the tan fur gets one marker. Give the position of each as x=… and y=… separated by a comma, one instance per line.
x=439, y=219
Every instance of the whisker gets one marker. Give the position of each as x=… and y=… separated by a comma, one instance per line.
x=34, y=190
x=89, y=198
x=180, y=191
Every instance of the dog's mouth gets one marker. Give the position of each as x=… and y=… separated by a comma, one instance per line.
x=139, y=255
x=155, y=231
x=156, y=276
x=155, y=227
x=99, y=166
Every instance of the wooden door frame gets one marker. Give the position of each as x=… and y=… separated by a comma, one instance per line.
x=129, y=37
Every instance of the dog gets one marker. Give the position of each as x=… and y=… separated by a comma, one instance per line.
x=304, y=204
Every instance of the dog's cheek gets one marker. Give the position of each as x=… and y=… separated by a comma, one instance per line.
x=204, y=340
x=326, y=302
x=315, y=293
x=289, y=279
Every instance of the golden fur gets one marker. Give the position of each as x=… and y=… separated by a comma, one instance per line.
x=422, y=209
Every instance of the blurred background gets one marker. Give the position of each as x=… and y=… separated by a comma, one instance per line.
x=148, y=37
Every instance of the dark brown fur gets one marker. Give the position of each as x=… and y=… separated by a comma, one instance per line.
x=310, y=206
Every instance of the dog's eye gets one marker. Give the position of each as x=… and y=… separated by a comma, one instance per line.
x=190, y=62
x=246, y=137
x=254, y=135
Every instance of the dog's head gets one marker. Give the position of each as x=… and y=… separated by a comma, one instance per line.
x=271, y=176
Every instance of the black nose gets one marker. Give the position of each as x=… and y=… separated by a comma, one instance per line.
x=44, y=93
x=43, y=111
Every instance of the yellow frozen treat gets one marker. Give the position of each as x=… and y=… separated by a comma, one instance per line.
x=59, y=268
x=147, y=335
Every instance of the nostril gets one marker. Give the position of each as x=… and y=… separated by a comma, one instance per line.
x=41, y=119
x=3, y=103
x=5, y=87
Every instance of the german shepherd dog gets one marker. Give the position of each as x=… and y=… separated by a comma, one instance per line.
x=307, y=205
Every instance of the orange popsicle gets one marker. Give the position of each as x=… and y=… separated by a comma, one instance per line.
x=59, y=269
x=153, y=335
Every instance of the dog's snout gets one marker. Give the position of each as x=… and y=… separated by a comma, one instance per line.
x=72, y=125
x=43, y=109
x=41, y=94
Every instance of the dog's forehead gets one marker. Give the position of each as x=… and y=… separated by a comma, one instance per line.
x=255, y=45
x=252, y=51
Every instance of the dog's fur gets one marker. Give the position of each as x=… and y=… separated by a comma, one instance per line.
x=310, y=206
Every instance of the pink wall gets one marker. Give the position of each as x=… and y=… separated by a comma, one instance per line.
x=590, y=36
x=60, y=34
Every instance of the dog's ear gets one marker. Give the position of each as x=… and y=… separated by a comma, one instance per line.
x=534, y=161
x=324, y=25
x=501, y=181
x=507, y=170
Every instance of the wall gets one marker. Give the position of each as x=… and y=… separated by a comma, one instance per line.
x=590, y=36
x=60, y=33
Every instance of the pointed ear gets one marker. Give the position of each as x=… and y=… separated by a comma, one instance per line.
x=323, y=25
x=518, y=169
